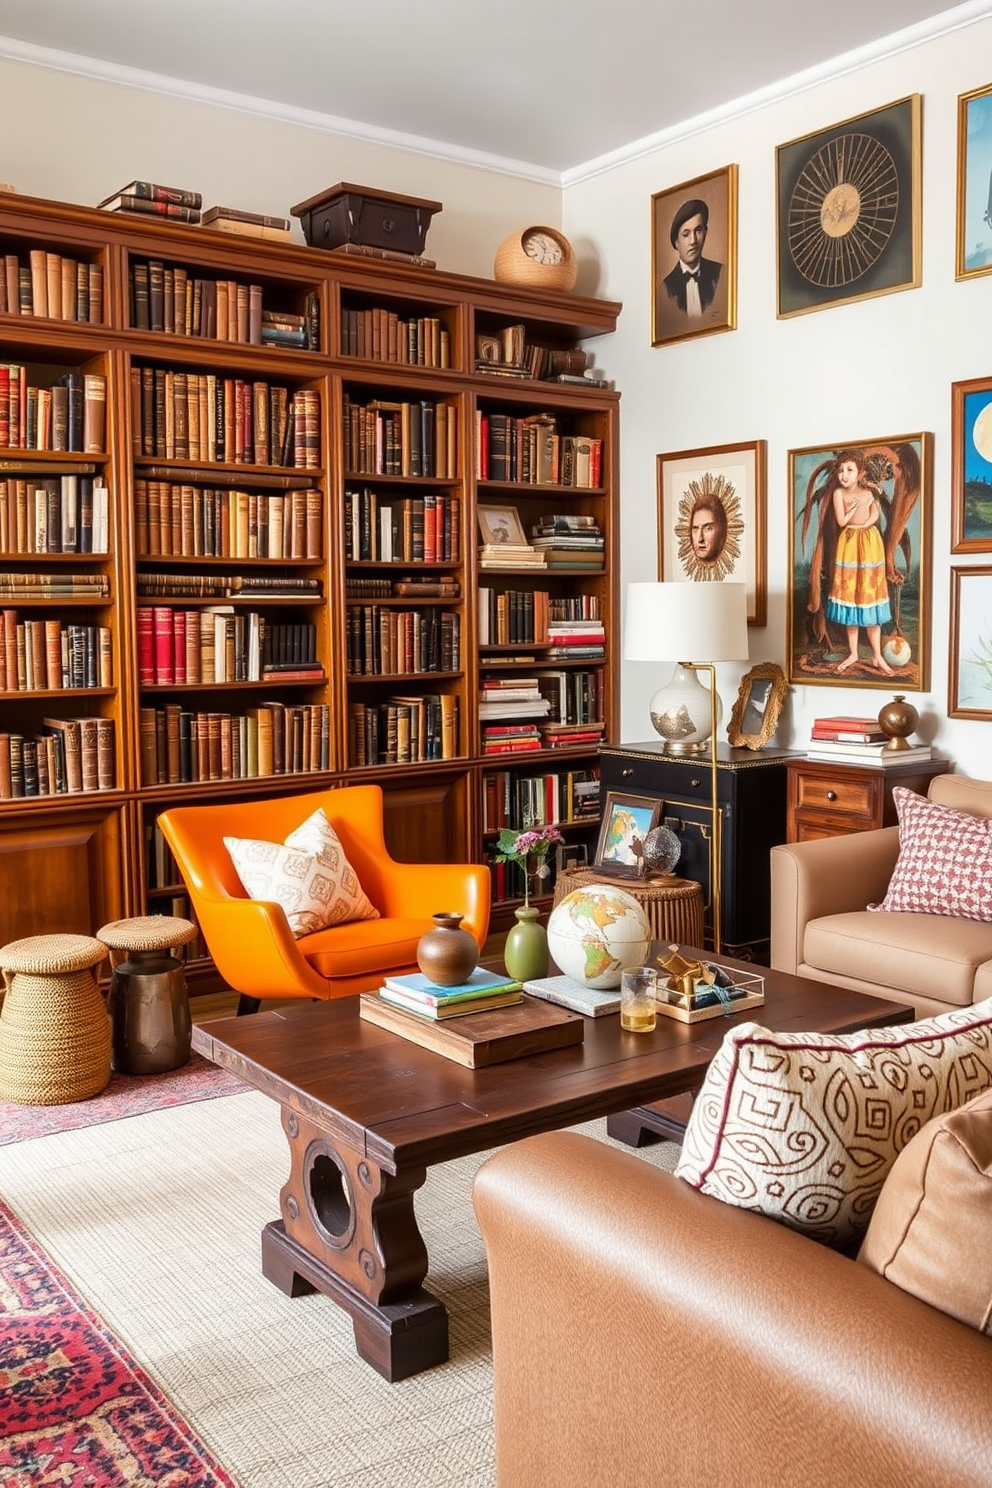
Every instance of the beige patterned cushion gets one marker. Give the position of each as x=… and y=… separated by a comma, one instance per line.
x=930, y=1230
x=308, y=874
x=805, y=1127
x=945, y=860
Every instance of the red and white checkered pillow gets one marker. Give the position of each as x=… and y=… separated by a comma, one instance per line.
x=945, y=861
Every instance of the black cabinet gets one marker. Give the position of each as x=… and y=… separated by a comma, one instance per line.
x=751, y=797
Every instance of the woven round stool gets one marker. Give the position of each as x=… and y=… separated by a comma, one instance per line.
x=674, y=906
x=54, y=1030
x=151, y=1028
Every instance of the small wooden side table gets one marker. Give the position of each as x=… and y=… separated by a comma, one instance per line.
x=827, y=799
x=674, y=906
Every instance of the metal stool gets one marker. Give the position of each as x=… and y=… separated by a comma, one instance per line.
x=54, y=1032
x=148, y=1001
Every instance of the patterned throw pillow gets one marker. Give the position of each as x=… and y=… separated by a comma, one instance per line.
x=309, y=875
x=945, y=860
x=804, y=1127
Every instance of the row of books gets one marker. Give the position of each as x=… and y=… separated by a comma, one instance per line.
x=180, y=746
x=858, y=740
x=403, y=730
x=510, y=736
x=509, y=352
x=381, y=335
x=169, y=298
x=553, y=798
x=149, y=199
x=73, y=755
x=31, y=585
x=400, y=437
x=192, y=521
x=411, y=529
x=511, y=617
x=227, y=586
x=41, y=655
x=178, y=415
x=387, y=642
x=216, y=644
x=70, y=414
x=52, y=285
x=411, y=586
x=530, y=450
x=54, y=514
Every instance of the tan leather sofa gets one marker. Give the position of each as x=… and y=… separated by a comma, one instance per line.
x=645, y=1335
x=822, y=929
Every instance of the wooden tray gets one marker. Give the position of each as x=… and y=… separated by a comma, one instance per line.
x=528, y=1027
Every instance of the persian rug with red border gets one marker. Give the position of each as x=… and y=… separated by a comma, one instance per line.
x=126, y=1095
x=76, y=1411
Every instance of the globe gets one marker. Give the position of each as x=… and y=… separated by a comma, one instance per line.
x=897, y=651
x=597, y=931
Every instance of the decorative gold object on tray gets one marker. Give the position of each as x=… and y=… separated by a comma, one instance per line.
x=697, y=990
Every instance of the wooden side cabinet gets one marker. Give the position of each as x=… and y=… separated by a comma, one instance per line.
x=827, y=799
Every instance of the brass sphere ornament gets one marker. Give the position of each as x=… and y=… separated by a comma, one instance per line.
x=897, y=720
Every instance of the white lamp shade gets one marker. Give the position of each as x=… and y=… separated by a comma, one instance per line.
x=686, y=621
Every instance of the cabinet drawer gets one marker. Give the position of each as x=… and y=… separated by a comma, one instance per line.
x=689, y=780
x=838, y=793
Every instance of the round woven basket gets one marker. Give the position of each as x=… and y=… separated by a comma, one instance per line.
x=514, y=266
x=54, y=1030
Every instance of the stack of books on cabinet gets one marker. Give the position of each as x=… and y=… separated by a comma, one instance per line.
x=240, y=484
x=859, y=741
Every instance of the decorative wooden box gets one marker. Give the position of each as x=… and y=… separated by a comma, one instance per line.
x=360, y=214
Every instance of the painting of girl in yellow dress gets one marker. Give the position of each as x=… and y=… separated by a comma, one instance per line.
x=858, y=606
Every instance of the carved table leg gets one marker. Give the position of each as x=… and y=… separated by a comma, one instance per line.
x=348, y=1229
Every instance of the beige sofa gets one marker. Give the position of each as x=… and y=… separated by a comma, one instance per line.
x=822, y=929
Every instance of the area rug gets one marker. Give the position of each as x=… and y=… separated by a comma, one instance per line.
x=76, y=1411
x=126, y=1095
x=157, y=1220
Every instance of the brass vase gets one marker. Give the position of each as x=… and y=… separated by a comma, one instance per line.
x=447, y=955
x=897, y=720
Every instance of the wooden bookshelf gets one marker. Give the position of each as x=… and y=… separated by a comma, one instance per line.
x=292, y=451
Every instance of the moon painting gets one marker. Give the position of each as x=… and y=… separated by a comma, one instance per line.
x=976, y=452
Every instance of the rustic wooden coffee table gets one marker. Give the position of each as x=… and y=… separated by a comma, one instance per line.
x=366, y=1113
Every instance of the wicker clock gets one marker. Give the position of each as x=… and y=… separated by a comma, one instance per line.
x=539, y=257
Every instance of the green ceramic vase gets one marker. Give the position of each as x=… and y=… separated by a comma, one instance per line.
x=526, y=955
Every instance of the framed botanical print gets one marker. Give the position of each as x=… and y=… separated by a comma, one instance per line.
x=627, y=820
x=694, y=257
x=859, y=563
x=711, y=518
x=971, y=466
x=850, y=210
x=974, y=204
x=969, y=683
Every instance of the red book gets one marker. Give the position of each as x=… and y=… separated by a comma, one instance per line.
x=146, y=648
x=179, y=647
x=163, y=651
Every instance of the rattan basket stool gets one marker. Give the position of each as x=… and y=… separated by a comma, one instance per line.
x=54, y=1029
x=151, y=1028
x=674, y=906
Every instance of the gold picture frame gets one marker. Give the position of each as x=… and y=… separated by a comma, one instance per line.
x=974, y=194
x=626, y=821
x=700, y=216
x=969, y=675
x=849, y=209
x=756, y=712
x=727, y=483
x=971, y=466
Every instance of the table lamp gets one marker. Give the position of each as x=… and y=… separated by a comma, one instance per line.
x=664, y=620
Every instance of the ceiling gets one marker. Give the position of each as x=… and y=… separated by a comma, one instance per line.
x=547, y=86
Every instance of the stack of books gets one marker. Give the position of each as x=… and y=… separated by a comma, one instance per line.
x=148, y=199
x=510, y=738
x=482, y=991
x=512, y=697
x=576, y=640
x=510, y=555
x=247, y=224
x=569, y=541
x=859, y=741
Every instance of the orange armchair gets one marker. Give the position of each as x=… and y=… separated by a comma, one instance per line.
x=250, y=940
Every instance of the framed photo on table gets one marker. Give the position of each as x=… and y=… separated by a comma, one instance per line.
x=974, y=206
x=971, y=466
x=711, y=518
x=849, y=210
x=627, y=820
x=969, y=678
x=759, y=702
x=858, y=606
x=694, y=257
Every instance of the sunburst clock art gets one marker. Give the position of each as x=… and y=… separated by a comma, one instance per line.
x=849, y=210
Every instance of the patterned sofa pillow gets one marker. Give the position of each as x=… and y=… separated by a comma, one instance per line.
x=309, y=875
x=804, y=1127
x=945, y=860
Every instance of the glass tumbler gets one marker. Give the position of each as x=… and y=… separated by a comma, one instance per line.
x=638, y=988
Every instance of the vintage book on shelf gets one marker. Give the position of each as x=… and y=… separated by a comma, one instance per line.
x=529, y=1027
x=151, y=207
x=151, y=191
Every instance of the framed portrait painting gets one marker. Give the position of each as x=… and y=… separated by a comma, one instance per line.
x=969, y=684
x=859, y=563
x=971, y=466
x=694, y=257
x=849, y=218
x=627, y=820
x=711, y=518
x=974, y=204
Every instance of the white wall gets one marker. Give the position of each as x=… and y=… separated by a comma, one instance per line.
x=861, y=371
